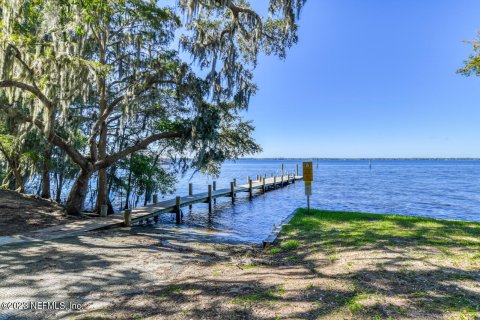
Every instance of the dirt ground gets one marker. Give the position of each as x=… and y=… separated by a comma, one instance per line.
x=158, y=274
x=21, y=214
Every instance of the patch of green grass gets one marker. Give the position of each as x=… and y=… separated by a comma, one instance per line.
x=332, y=257
x=353, y=229
x=171, y=289
x=260, y=295
x=249, y=266
x=293, y=258
x=355, y=304
x=290, y=245
x=274, y=251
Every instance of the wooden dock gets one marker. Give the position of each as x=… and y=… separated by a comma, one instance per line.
x=261, y=183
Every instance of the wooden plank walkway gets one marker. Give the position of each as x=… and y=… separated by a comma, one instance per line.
x=150, y=211
x=174, y=205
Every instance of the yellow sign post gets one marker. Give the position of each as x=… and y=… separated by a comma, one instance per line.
x=308, y=178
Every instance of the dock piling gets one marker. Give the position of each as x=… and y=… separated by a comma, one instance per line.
x=250, y=189
x=209, y=198
x=232, y=191
x=274, y=182
x=127, y=217
x=155, y=198
x=190, y=193
x=297, y=169
x=263, y=185
x=214, y=189
x=178, y=215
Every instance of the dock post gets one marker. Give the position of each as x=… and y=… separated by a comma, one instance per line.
x=178, y=215
x=209, y=198
x=282, y=169
x=274, y=182
x=232, y=191
x=190, y=193
x=214, y=189
x=235, y=182
x=297, y=169
x=250, y=189
x=282, y=180
x=263, y=184
x=127, y=217
x=155, y=201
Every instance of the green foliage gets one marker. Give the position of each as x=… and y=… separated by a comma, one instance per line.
x=143, y=174
x=472, y=64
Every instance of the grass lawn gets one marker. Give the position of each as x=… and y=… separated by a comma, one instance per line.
x=372, y=266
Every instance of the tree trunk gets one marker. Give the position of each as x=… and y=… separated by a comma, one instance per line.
x=102, y=189
x=58, y=196
x=78, y=193
x=19, y=185
x=129, y=185
x=102, y=186
x=47, y=158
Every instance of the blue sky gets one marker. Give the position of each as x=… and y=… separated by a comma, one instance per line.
x=372, y=78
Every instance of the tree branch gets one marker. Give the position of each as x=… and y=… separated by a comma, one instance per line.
x=149, y=83
x=76, y=156
x=139, y=146
x=32, y=89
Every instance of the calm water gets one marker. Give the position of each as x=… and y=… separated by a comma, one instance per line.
x=429, y=188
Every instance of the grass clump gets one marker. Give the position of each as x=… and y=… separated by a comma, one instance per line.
x=261, y=295
x=289, y=245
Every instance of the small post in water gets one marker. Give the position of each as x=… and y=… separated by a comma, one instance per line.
x=178, y=214
x=190, y=193
x=214, y=189
x=250, y=189
x=209, y=199
x=263, y=184
x=232, y=191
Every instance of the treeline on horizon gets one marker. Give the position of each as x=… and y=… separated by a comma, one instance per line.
x=360, y=159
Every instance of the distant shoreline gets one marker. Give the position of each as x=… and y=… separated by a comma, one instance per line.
x=362, y=159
